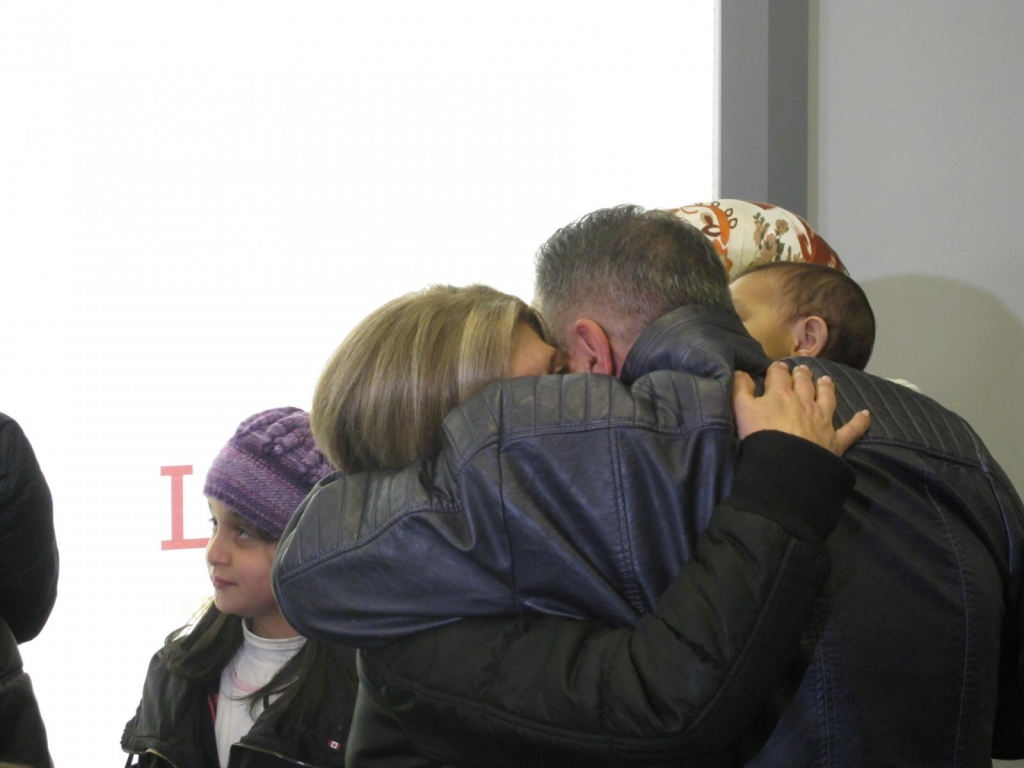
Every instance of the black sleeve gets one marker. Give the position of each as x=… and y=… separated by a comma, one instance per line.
x=28, y=547
x=679, y=687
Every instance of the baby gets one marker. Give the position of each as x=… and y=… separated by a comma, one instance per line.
x=805, y=310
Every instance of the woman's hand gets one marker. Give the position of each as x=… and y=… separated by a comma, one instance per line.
x=795, y=404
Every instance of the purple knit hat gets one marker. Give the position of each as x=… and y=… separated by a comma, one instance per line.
x=267, y=468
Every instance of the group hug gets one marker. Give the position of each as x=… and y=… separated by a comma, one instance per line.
x=660, y=516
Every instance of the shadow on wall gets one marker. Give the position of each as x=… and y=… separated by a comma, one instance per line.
x=963, y=348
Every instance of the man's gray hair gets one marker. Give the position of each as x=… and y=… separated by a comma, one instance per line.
x=625, y=267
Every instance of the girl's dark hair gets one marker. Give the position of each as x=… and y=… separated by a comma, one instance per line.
x=200, y=650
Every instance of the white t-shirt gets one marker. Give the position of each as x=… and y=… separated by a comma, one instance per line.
x=256, y=662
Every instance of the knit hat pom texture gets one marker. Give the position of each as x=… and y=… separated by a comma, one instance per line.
x=267, y=469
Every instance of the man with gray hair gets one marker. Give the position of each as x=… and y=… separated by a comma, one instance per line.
x=600, y=489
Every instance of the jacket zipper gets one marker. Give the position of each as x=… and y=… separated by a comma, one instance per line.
x=162, y=757
x=272, y=753
x=241, y=746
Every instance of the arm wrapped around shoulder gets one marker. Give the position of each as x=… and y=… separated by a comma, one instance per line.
x=350, y=564
x=524, y=510
x=681, y=686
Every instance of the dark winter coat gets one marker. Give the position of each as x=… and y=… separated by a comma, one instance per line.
x=28, y=590
x=174, y=724
x=583, y=496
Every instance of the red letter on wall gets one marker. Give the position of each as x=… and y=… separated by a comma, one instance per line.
x=178, y=540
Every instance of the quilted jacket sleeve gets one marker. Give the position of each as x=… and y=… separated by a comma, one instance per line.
x=676, y=689
x=543, y=500
x=28, y=547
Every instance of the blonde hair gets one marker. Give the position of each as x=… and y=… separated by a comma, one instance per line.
x=384, y=393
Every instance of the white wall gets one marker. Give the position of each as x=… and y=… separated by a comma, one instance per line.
x=198, y=201
x=918, y=182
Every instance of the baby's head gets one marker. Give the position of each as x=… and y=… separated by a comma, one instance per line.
x=809, y=310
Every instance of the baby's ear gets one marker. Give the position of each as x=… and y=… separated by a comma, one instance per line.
x=811, y=335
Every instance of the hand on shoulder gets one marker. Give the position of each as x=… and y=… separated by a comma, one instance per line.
x=796, y=404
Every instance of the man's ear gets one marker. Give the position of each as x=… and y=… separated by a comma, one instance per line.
x=811, y=336
x=591, y=349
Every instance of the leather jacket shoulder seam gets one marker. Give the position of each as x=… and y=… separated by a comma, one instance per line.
x=284, y=578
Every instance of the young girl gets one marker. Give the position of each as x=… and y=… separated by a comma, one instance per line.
x=240, y=687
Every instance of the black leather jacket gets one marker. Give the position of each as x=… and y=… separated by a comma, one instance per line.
x=541, y=503
x=680, y=687
x=173, y=726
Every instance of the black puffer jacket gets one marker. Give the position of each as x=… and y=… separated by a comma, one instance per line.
x=173, y=727
x=28, y=590
x=582, y=496
x=680, y=687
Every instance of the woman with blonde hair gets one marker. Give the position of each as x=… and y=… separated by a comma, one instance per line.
x=384, y=393
x=477, y=496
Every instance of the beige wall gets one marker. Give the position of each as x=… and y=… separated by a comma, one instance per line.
x=917, y=180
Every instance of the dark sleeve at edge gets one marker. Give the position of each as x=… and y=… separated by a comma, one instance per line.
x=793, y=482
x=28, y=548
